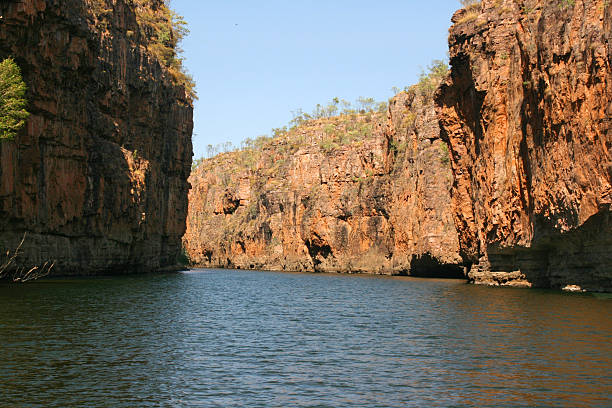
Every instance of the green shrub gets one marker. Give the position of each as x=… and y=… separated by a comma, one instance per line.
x=429, y=81
x=12, y=99
x=328, y=146
x=444, y=154
x=408, y=120
x=196, y=162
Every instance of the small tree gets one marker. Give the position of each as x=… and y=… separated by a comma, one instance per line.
x=429, y=81
x=12, y=99
x=366, y=104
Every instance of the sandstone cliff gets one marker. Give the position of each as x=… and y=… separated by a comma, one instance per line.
x=526, y=111
x=98, y=178
x=360, y=193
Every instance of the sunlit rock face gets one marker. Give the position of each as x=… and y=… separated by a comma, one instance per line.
x=526, y=111
x=361, y=193
x=97, y=180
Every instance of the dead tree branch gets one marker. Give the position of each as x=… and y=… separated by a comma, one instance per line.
x=9, y=270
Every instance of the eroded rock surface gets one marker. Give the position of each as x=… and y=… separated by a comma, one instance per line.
x=367, y=193
x=526, y=111
x=98, y=179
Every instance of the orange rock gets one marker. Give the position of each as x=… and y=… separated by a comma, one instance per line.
x=526, y=112
x=315, y=200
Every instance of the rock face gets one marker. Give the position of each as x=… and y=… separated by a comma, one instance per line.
x=361, y=193
x=526, y=111
x=97, y=180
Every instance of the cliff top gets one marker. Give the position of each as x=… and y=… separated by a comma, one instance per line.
x=325, y=130
x=268, y=154
x=156, y=26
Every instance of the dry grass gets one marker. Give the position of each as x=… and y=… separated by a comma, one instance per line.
x=472, y=11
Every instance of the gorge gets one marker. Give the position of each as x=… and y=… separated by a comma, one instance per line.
x=361, y=192
x=325, y=265
x=515, y=149
x=498, y=171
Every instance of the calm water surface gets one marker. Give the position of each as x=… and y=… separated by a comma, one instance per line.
x=213, y=338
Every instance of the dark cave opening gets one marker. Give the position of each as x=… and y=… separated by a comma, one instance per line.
x=426, y=266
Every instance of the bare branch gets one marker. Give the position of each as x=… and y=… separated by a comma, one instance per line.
x=11, y=258
x=19, y=274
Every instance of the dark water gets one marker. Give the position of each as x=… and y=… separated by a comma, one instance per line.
x=251, y=339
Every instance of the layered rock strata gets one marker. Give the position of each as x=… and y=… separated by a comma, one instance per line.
x=361, y=193
x=97, y=181
x=526, y=111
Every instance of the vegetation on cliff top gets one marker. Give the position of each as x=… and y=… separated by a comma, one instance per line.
x=471, y=8
x=338, y=123
x=430, y=80
x=162, y=31
x=328, y=126
x=12, y=99
x=165, y=30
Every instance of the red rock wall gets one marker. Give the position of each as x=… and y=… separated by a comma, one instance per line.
x=378, y=204
x=526, y=111
x=98, y=178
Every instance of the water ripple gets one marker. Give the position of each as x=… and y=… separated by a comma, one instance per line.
x=244, y=339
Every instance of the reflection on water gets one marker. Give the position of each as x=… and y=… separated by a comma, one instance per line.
x=235, y=338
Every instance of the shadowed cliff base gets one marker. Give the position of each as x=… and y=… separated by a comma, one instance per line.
x=581, y=257
x=426, y=266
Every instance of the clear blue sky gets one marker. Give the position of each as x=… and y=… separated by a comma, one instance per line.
x=256, y=61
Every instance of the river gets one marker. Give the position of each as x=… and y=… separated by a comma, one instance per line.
x=223, y=338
